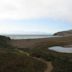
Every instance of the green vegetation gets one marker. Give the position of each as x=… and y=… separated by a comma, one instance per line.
x=61, y=62
x=19, y=61
x=62, y=66
x=14, y=59
x=4, y=41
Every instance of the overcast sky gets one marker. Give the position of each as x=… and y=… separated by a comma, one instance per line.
x=32, y=16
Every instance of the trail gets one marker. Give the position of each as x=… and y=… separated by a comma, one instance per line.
x=49, y=64
x=49, y=67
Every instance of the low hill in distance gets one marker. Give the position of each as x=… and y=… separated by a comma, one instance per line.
x=64, y=33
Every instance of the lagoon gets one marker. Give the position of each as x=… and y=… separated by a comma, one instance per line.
x=61, y=49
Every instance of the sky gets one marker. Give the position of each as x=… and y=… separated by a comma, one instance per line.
x=35, y=16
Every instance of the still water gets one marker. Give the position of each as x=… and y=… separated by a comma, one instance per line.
x=61, y=49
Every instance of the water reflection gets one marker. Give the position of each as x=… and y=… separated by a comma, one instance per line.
x=61, y=49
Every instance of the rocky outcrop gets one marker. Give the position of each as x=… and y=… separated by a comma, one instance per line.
x=64, y=33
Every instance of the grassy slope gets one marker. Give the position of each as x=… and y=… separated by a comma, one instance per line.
x=62, y=62
x=17, y=61
x=64, y=33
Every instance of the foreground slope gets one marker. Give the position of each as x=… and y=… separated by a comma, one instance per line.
x=18, y=61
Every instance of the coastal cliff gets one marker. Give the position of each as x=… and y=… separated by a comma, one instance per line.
x=64, y=33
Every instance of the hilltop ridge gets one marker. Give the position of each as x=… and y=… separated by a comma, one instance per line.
x=64, y=33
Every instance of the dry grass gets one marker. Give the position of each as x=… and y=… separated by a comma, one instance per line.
x=44, y=42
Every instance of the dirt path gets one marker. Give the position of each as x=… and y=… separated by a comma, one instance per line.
x=49, y=64
x=49, y=67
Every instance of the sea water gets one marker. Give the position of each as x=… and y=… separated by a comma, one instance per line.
x=29, y=36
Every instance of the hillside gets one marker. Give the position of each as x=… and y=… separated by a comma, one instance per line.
x=35, y=56
x=16, y=60
x=4, y=41
x=64, y=33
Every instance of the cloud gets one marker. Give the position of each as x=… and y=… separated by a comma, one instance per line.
x=27, y=9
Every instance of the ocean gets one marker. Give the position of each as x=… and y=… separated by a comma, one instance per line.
x=28, y=36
